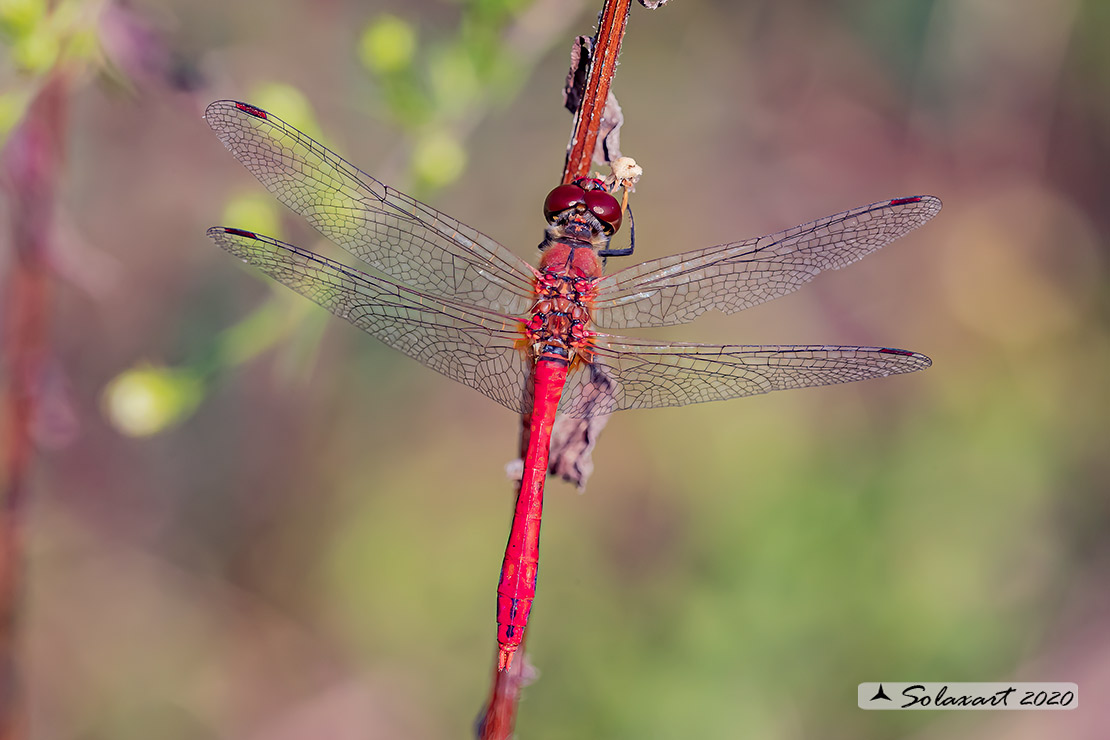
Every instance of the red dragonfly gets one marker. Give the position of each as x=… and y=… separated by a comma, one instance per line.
x=467, y=307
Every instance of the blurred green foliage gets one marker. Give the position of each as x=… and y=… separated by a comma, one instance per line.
x=146, y=400
x=387, y=46
x=36, y=38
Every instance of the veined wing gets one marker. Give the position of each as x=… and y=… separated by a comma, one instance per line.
x=732, y=277
x=474, y=346
x=393, y=232
x=630, y=374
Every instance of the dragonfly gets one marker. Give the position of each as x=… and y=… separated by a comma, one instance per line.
x=528, y=337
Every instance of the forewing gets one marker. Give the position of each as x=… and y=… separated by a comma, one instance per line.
x=630, y=374
x=732, y=277
x=473, y=346
x=393, y=232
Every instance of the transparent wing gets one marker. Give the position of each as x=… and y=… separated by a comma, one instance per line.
x=480, y=348
x=404, y=238
x=732, y=277
x=630, y=374
x=474, y=346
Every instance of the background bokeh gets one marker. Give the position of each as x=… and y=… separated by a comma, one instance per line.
x=249, y=520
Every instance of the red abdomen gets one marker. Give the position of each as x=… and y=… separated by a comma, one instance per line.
x=517, y=587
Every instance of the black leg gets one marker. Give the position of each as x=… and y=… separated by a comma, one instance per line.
x=627, y=251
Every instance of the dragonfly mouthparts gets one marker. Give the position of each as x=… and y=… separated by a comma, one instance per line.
x=579, y=230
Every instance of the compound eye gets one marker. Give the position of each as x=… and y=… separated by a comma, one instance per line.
x=605, y=207
x=562, y=198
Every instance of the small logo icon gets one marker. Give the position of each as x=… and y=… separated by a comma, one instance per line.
x=880, y=694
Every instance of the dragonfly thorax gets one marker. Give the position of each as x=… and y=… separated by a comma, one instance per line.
x=559, y=327
x=572, y=259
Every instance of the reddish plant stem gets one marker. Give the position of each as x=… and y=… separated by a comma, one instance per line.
x=607, y=47
x=499, y=717
x=31, y=163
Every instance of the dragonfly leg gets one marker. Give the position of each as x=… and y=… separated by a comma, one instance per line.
x=627, y=251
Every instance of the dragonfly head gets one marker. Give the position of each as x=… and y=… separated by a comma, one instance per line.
x=586, y=201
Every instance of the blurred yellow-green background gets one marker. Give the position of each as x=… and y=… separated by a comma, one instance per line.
x=249, y=520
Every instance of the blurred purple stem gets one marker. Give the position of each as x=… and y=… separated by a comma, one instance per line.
x=31, y=163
